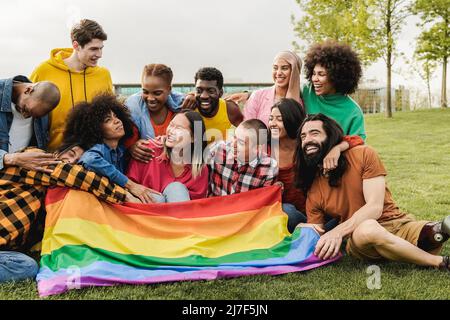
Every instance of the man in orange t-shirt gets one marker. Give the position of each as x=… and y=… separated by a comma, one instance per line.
x=356, y=193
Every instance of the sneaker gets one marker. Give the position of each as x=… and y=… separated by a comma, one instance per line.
x=445, y=264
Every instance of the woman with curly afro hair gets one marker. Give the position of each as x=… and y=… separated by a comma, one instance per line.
x=101, y=126
x=333, y=70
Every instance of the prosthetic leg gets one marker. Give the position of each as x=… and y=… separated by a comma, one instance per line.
x=433, y=235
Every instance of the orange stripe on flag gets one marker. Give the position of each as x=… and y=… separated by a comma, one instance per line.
x=81, y=205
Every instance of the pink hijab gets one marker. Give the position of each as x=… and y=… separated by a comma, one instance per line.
x=296, y=66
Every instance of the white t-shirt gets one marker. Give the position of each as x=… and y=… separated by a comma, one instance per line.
x=20, y=132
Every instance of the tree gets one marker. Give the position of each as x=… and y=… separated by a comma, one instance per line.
x=434, y=43
x=341, y=20
x=393, y=15
x=425, y=69
x=371, y=27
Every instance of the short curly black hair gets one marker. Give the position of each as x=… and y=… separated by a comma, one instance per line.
x=340, y=61
x=85, y=121
x=210, y=74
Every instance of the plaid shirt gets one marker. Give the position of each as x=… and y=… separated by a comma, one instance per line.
x=228, y=176
x=22, y=193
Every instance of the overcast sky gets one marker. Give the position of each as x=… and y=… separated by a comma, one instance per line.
x=240, y=37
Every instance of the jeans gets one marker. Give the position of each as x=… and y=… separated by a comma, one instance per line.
x=174, y=192
x=295, y=217
x=15, y=266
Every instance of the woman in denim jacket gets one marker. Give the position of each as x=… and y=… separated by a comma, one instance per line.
x=105, y=124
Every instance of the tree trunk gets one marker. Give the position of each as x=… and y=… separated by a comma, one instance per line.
x=444, y=69
x=389, y=61
x=444, y=84
x=428, y=74
x=388, y=86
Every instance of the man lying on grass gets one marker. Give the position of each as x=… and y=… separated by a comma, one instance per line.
x=22, y=193
x=356, y=193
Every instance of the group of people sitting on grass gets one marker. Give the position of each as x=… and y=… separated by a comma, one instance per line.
x=65, y=127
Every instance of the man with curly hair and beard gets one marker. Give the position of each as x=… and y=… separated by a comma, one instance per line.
x=356, y=193
x=333, y=70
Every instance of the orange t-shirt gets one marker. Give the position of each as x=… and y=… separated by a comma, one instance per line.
x=160, y=129
x=343, y=201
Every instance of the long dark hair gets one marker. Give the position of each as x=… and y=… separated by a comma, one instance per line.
x=305, y=174
x=293, y=115
x=198, y=145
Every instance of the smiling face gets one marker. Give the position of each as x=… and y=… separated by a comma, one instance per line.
x=246, y=147
x=321, y=81
x=276, y=125
x=90, y=53
x=112, y=127
x=71, y=155
x=281, y=73
x=155, y=92
x=178, y=132
x=207, y=94
x=28, y=105
x=313, y=137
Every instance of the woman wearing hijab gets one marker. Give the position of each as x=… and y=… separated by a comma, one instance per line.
x=286, y=76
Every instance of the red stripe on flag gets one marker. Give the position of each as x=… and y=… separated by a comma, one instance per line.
x=55, y=194
x=208, y=207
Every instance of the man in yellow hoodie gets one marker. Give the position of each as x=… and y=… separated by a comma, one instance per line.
x=75, y=72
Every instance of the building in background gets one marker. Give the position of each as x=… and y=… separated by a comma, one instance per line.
x=132, y=88
x=371, y=96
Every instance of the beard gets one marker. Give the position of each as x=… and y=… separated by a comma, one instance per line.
x=314, y=160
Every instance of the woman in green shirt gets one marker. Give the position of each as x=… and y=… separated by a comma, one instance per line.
x=333, y=71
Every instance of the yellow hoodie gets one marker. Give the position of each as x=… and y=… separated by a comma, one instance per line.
x=74, y=87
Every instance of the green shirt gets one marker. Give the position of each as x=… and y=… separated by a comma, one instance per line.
x=342, y=108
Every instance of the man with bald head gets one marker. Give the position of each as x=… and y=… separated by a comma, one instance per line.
x=24, y=108
x=23, y=122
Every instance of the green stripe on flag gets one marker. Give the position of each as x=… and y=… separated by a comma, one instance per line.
x=82, y=256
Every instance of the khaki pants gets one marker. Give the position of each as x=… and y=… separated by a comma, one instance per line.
x=406, y=227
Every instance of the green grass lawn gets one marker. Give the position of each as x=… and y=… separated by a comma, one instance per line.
x=415, y=147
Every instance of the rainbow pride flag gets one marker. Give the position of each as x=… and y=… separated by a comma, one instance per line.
x=88, y=242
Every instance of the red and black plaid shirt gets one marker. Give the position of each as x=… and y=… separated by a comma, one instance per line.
x=228, y=176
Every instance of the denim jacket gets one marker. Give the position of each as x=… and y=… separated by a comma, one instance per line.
x=141, y=116
x=40, y=125
x=107, y=162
